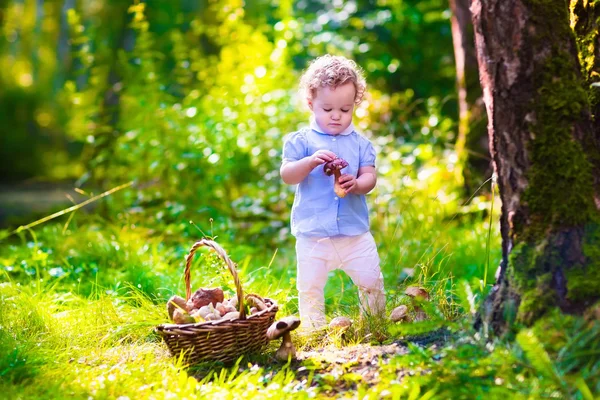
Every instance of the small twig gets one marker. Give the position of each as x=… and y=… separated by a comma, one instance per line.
x=67, y=210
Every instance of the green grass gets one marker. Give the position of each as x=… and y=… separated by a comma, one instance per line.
x=78, y=307
x=55, y=345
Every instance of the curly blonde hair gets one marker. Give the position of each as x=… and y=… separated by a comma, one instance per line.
x=332, y=71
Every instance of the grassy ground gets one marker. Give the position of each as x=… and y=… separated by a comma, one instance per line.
x=79, y=303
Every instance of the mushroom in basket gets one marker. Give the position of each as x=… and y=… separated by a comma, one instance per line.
x=203, y=305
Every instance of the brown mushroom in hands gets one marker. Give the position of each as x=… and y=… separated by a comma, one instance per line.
x=282, y=328
x=174, y=303
x=333, y=168
x=418, y=294
x=203, y=297
x=399, y=313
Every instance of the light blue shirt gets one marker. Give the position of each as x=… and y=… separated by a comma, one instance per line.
x=317, y=210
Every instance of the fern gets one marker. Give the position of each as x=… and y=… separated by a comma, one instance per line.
x=539, y=358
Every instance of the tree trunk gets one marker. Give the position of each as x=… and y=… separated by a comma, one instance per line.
x=585, y=21
x=471, y=144
x=545, y=151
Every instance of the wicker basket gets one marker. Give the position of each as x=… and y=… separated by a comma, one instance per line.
x=223, y=340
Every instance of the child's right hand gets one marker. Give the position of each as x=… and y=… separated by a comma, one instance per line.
x=321, y=157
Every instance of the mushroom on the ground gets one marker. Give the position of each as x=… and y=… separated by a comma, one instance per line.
x=333, y=168
x=399, y=313
x=340, y=323
x=418, y=294
x=282, y=328
x=203, y=297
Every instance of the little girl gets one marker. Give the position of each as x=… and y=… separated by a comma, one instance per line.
x=332, y=232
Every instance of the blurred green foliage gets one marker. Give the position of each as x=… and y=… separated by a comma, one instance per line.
x=191, y=100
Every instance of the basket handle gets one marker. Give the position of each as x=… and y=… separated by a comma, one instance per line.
x=230, y=265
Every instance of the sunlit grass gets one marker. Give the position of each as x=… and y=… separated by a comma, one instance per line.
x=56, y=345
x=78, y=308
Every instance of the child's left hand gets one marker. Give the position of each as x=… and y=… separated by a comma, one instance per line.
x=348, y=182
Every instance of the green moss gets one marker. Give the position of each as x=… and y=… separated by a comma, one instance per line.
x=560, y=191
x=583, y=282
x=546, y=14
x=526, y=273
x=522, y=266
x=535, y=303
x=533, y=264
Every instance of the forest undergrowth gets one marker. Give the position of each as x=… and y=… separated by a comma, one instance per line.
x=80, y=299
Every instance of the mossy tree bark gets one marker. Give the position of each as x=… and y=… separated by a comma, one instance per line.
x=545, y=150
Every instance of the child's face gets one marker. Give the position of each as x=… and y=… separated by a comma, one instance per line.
x=333, y=107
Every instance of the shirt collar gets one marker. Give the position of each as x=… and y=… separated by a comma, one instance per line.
x=315, y=127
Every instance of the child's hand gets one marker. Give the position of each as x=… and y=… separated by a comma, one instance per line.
x=321, y=157
x=348, y=182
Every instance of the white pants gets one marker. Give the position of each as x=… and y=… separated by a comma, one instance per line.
x=355, y=255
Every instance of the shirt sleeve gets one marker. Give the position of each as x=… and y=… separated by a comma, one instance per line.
x=294, y=147
x=367, y=154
